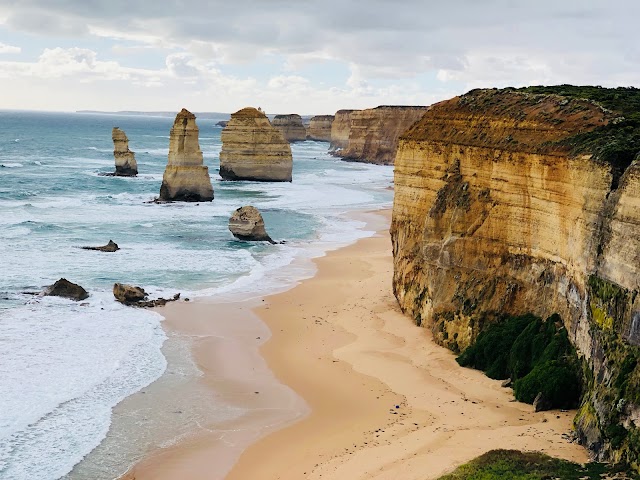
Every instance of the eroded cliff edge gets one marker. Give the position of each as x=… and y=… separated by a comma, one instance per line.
x=498, y=210
x=372, y=135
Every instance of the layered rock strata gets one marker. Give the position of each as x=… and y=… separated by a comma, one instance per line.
x=494, y=215
x=126, y=165
x=252, y=149
x=374, y=133
x=320, y=128
x=291, y=127
x=247, y=223
x=185, y=177
x=340, y=128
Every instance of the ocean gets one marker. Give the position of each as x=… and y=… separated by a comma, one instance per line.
x=65, y=365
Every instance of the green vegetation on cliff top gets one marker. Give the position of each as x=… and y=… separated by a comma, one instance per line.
x=516, y=465
x=617, y=143
x=535, y=354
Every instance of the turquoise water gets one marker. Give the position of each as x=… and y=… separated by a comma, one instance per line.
x=64, y=365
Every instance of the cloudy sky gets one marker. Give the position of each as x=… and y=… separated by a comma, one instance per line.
x=303, y=56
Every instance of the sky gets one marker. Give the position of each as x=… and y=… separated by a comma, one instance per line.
x=303, y=56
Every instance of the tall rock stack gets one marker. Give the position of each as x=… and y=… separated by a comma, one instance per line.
x=291, y=127
x=185, y=178
x=252, y=149
x=126, y=165
x=340, y=129
x=320, y=128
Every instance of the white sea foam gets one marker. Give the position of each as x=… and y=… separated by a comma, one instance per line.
x=67, y=364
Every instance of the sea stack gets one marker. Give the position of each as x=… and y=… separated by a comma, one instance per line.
x=252, y=149
x=126, y=165
x=320, y=128
x=291, y=127
x=247, y=223
x=185, y=178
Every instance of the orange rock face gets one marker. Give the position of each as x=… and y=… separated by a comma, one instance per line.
x=374, y=133
x=493, y=215
x=320, y=128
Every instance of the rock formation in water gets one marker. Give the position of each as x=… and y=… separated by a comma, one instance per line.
x=65, y=288
x=185, y=178
x=374, y=133
x=320, y=128
x=340, y=128
x=126, y=165
x=291, y=127
x=134, y=296
x=247, y=223
x=508, y=202
x=109, y=247
x=222, y=123
x=252, y=149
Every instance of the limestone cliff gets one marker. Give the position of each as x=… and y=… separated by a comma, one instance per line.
x=252, y=149
x=185, y=177
x=495, y=213
x=340, y=129
x=320, y=128
x=291, y=127
x=126, y=165
x=374, y=133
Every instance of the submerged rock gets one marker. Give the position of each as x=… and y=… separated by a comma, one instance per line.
x=65, y=288
x=109, y=247
x=247, y=223
x=252, y=149
x=185, y=178
x=126, y=165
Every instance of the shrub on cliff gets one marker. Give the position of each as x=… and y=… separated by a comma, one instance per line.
x=535, y=354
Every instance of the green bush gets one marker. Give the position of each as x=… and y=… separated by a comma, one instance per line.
x=535, y=354
x=558, y=381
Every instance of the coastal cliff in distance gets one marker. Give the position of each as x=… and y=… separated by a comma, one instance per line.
x=320, y=128
x=340, y=129
x=291, y=127
x=373, y=133
x=511, y=202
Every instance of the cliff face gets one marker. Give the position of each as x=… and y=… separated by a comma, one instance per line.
x=252, y=149
x=291, y=127
x=492, y=215
x=374, y=133
x=185, y=177
x=340, y=129
x=126, y=165
x=320, y=128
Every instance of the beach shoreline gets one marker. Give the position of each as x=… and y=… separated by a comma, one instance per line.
x=374, y=396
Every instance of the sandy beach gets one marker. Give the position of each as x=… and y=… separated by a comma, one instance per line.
x=376, y=398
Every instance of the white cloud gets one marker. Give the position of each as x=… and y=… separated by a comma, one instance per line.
x=4, y=48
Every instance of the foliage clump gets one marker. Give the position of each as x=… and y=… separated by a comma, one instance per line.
x=536, y=354
x=516, y=465
x=618, y=142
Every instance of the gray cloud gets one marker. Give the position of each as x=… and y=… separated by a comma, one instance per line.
x=467, y=40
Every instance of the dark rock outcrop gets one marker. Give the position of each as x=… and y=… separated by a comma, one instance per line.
x=247, y=223
x=109, y=247
x=65, y=288
x=133, y=296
